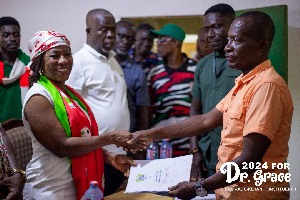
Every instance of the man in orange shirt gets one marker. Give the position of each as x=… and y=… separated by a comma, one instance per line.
x=256, y=116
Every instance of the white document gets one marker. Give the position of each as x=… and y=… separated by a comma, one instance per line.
x=157, y=175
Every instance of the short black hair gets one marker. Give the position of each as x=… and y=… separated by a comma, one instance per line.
x=262, y=23
x=8, y=21
x=145, y=26
x=222, y=8
x=128, y=23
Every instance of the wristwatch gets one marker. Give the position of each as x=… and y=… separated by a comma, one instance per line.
x=19, y=171
x=200, y=191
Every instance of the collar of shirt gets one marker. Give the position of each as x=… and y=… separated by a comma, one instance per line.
x=181, y=68
x=259, y=68
x=97, y=54
x=219, y=55
x=128, y=63
x=243, y=79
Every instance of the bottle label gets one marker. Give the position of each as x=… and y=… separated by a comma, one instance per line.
x=165, y=153
x=152, y=154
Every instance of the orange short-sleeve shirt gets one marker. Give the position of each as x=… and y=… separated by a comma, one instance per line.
x=259, y=102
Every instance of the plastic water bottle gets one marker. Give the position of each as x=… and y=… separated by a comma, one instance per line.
x=93, y=193
x=152, y=151
x=166, y=149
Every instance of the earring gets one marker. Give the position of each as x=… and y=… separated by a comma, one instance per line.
x=41, y=71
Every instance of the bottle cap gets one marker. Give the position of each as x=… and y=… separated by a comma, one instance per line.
x=94, y=183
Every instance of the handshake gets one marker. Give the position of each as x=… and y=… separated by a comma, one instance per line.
x=132, y=142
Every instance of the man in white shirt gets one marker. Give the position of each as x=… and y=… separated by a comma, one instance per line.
x=99, y=79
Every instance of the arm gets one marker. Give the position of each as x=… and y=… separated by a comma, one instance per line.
x=142, y=124
x=190, y=127
x=198, y=163
x=15, y=182
x=142, y=101
x=142, y=117
x=254, y=148
x=48, y=130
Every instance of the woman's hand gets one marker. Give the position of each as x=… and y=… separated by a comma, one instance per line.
x=14, y=185
x=121, y=162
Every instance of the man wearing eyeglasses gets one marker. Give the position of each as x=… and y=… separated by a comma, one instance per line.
x=169, y=83
x=137, y=91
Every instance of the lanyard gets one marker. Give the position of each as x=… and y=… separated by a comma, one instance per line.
x=222, y=68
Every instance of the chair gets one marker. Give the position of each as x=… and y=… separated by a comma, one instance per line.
x=20, y=141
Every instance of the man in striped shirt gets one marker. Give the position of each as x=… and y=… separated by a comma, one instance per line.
x=170, y=82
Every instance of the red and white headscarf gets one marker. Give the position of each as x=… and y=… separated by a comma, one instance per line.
x=43, y=41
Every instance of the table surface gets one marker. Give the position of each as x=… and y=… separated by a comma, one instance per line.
x=136, y=196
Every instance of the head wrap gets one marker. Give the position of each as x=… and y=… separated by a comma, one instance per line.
x=43, y=41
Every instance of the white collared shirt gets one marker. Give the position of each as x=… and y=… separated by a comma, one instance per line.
x=100, y=82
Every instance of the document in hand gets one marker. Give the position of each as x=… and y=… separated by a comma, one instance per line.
x=158, y=175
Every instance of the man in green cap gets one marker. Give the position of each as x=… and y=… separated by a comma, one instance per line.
x=169, y=83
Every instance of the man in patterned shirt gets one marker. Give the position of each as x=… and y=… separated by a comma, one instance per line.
x=169, y=83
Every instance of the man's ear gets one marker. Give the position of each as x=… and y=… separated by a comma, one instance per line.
x=264, y=45
x=88, y=30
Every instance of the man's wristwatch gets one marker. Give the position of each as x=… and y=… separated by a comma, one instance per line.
x=19, y=171
x=200, y=191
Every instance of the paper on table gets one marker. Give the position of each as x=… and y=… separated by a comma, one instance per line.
x=158, y=175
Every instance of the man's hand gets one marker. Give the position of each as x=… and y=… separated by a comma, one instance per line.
x=120, y=139
x=143, y=137
x=183, y=190
x=121, y=162
x=14, y=185
x=198, y=165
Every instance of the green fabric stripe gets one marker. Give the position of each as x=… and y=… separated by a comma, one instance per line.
x=74, y=97
x=59, y=106
x=23, y=57
x=68, y=100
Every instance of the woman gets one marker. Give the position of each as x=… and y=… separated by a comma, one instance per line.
x=12, y=178
x=67, y=152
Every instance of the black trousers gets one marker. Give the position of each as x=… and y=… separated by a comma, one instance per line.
x=113, y=179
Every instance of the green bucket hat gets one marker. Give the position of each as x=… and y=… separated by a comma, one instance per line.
x=169, y=30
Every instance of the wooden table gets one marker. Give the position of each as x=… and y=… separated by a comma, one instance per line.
x=136, y=196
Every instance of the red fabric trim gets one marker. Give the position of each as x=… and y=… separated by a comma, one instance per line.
x=24, y=80
x=89, y=167
x=1, y=71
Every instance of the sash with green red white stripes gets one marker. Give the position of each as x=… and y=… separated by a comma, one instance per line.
x=85, y=168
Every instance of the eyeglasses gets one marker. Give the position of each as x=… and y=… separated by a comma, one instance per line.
x=163, y=40
x=124, y=37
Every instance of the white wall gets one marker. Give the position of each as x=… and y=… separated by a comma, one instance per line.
x=68, y=17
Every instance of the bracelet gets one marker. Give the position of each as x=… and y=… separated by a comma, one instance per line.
x=194, y=151
x=19, y=171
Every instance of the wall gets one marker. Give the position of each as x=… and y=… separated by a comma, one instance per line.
x=68, y=17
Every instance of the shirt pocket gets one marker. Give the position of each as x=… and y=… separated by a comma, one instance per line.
x=234, y=125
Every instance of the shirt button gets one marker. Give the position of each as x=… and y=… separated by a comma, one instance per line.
x=216, y=88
